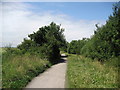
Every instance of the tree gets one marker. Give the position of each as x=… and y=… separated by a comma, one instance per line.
x=75, y=46
x=105, y=43
x=47, y=40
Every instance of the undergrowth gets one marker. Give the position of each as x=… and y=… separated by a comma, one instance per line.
x=18, y=70
x=87, y=73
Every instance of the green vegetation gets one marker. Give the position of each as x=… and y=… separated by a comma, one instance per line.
x=45, y=42
x=18, y=70
x=105, y=43
x=32, y=56
x=75, y=46
x=2, y=50
x=0, y=67
x=98, y=66
x=95, y=65
x=85, y=73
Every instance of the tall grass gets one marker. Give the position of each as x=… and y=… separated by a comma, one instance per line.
x=0, y=67
x=85, y=73
x=18, y=70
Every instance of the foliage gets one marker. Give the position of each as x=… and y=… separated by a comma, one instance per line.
x=74, y=47
x=64, y=47
x=18, y=70
x=84, y=73
x=49, y=33
x=45, y=42
x=26, y=45
x=21, y=64
x=105, y=43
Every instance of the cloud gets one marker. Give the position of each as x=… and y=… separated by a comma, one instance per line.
x=19, y=21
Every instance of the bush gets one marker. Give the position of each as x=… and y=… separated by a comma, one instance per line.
x=45, y=42
x=105, y=42
x=74, y=47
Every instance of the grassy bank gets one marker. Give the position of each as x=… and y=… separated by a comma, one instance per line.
x=0, y=67
x=85, y=73
x=18, y=70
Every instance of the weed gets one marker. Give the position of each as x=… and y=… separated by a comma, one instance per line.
x=85, y=73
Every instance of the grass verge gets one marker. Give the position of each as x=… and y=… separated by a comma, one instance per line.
x=18, y=70
x=85, y=73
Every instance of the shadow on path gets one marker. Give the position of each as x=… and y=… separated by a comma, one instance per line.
x=63, y=59
x=53, y=77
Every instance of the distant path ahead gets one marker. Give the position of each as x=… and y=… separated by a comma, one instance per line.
x=54, y=77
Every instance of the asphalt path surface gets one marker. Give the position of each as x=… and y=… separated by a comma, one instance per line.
x=53, y=77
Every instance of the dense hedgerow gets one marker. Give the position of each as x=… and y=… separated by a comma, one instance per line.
x=75, y=46
x=105, y=43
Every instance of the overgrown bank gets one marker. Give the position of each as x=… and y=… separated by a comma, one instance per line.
x=85, y=73
x=34, y=55
x=99, y=68
x=18, y=70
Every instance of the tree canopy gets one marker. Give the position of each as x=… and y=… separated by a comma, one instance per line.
x=105, y=43
x=46, y=41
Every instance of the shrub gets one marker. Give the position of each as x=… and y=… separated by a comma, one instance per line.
x=45, y=42
x=105, y=42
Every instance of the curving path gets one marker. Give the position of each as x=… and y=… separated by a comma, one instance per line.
x=54, y=77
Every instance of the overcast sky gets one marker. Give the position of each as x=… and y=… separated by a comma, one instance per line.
x=78, y=18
